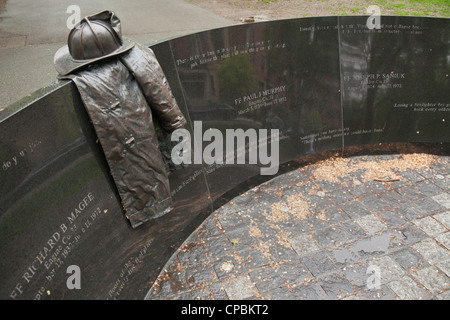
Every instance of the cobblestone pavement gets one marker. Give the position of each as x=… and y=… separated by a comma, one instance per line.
x=302, y=235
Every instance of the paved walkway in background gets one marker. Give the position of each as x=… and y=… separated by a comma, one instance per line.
x=32, y=31
x=299, y=237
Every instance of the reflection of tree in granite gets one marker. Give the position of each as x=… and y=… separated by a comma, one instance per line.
x=376, y=64
x=236, y=77
x=433, y=74
x=422, y=58
x=313, y=121
x=312, y=77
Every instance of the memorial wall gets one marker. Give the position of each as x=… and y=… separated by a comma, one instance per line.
x=291, y=88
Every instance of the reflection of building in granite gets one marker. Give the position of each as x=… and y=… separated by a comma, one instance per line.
x=263, y=77
x=236, y=67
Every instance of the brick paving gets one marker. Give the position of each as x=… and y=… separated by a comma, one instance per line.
x=299, y=237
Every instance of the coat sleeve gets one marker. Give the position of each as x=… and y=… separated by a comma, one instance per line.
x=142, y=63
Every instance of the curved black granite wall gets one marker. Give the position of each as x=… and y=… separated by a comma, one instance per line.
x=325, y=83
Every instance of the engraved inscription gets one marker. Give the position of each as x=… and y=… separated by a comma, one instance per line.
x=263, y=98
x=424, y=106
x=360, y=81
x=54, y=252
x=227, y=52
x=14, y=160
x=400, y=28
x=129, y=267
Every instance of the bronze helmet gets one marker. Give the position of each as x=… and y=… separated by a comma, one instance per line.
x=94, y=38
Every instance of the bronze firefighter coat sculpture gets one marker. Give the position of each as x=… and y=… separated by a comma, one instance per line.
x=122, y=86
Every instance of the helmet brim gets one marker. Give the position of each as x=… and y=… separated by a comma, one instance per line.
x=65, y=64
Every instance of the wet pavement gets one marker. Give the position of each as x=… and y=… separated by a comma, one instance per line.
x=354, y=234
x=32, y=31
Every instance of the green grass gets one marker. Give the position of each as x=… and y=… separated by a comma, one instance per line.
x=436, y=8
x=432, y=2
x=396, y=6
x=401, y=13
